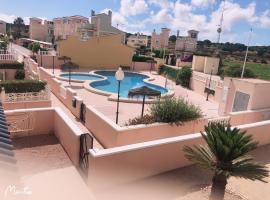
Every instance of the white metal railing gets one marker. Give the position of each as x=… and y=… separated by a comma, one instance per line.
x=43, y=95
x=8, y=57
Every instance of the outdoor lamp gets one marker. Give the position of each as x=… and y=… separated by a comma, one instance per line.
x=119, y=76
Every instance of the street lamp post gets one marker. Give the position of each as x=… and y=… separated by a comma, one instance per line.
x=119, y=76
x=53, y=64
x=245, y=60
x=209, y=85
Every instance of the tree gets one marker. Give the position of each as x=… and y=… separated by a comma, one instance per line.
x=226, y=154
x=172, y=38
x=34, y=47
x=18, y=26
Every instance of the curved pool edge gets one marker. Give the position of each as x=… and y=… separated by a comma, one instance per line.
x=113, y=97
x=79, y=81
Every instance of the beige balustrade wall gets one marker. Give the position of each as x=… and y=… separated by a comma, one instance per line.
x=124, y=164
x=52, y=121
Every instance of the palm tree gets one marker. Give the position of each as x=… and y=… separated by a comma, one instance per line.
x=226, y=154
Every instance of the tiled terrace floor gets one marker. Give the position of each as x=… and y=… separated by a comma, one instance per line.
x=131, y=110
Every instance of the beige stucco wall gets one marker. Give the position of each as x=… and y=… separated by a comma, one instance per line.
x=26, y=105
x=198, y=63
x=257, y=89
x=97, y=52
x=205, y=64
x=211, y=63
x=128, y=163
x=53, y=121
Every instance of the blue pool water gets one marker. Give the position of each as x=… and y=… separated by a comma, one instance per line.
x=131, y=80
x=81, y=77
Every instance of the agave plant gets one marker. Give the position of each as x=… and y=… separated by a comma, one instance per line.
x=226, y=154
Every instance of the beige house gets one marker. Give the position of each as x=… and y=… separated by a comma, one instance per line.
x=2, y=27
x=137, y=40
x=187, y=43
x=41, y=29
x=68, y=26
x=160, y=41
x=101, y=24
x=97, y=52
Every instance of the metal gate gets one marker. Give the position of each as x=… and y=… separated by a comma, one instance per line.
x=82, y=112
x=86, y=143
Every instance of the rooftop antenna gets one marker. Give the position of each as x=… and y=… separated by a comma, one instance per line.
x=219, y=30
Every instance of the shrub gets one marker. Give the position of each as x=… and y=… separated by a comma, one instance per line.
x=174, y=111
x=14, y=65
x=19, y=74
x=263, y=61
x=169, y=71
x=138, y=58
x=22, y=86
x=183, y=76
x=146, y=119
x=236, y=71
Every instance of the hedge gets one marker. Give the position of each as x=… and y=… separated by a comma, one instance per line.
x=170, y=72
x=137, y=58
x=14, y=65
x=22, y=86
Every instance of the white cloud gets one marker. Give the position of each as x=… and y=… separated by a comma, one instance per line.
x=202, y=3
x=161, y=17
x=264, y=19
x=133, y=7
x=10, y=18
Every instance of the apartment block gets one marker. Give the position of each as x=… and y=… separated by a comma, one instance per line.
x=160, y=41
x=137, y=40
x=101, y=25
x=68, y=26
x=42, y=30
x=3, y=28
x=187, y=43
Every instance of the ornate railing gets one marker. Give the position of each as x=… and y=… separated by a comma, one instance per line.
x=7, y=57
x=43, y=95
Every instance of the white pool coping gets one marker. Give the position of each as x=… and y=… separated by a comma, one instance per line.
x=112, y=96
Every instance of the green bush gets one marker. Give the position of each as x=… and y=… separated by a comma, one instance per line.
x=236, y=71
x=22, y=86
x=169, y=71
x=138, y=58
x=174, y=111
x=14, y=65
x=183, y=76
x=20, y=74
x=146, y=119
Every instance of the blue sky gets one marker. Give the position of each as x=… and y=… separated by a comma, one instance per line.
x=146, y=15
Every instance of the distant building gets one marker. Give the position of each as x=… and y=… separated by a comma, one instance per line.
x=137, y=40
x=187, y=43
x=3, y=27
x=160, y=41
x=101, y=25
x=107, y=51
x=41, y=30
x=68, y=26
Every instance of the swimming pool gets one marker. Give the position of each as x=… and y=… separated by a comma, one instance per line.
x=131, y=80
x=81, y=76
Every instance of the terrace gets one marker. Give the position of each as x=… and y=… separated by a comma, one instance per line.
x=125, y=159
